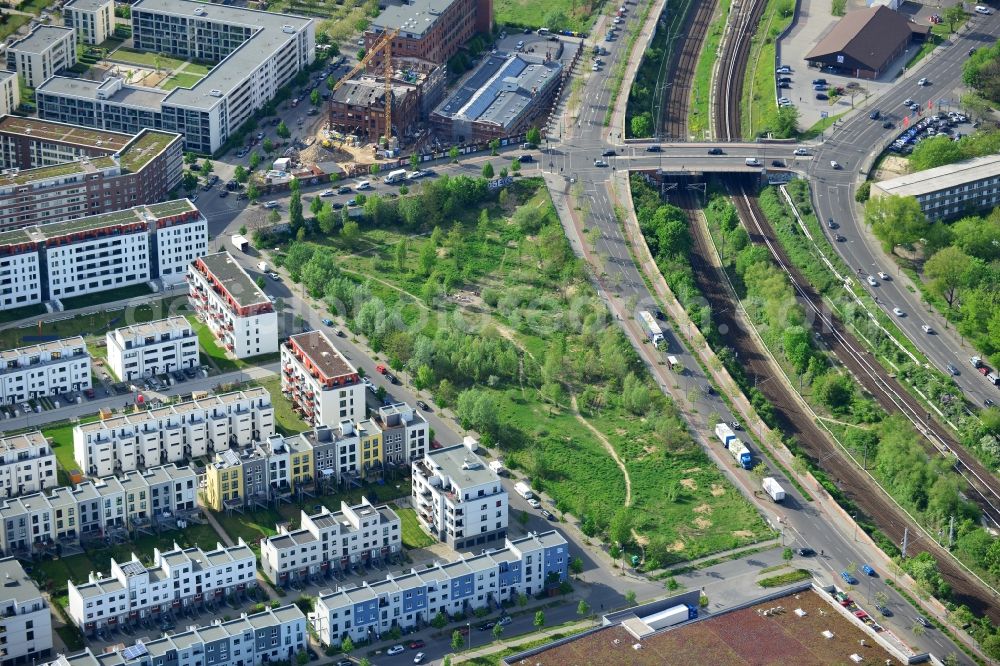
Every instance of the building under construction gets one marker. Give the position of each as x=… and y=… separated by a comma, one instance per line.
x=357, y=106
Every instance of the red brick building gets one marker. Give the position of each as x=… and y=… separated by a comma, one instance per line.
x=430, y=30
x=358, y=107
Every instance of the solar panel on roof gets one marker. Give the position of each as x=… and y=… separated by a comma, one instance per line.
x=135, y=651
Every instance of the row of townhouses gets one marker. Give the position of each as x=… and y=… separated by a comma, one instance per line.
x=153, y=348
x=45, y=369
x=37, y=522
x=100, y=252
x=367, y=612
x=173, y=433
x=236, y=310
x=177, y=579
x=328, y=541
x=27, y=464
x=271, y=636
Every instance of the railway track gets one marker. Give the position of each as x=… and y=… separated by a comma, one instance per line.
x=672, y=117
x=735, y=57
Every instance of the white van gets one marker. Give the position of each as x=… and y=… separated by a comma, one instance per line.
x=543, y=31
x=363, y=185
x=983, y=10
x=752, y=161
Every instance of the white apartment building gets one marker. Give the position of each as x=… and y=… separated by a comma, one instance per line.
x=327, y=541
x=274, y=635
x=100, y=252
x=405, y=433
x=25, y=617
x=43, y=53
x=27, y=464
x=236, y=310
x=32, y=523
x=528, y=565
x=93, y=20
x=949, y=191
x=153, y=348
x=176, y=579
x=44, y=369
x=257, y=53
x=458, y=498
x=173, y=433
x=10, y=92
x=323, y=385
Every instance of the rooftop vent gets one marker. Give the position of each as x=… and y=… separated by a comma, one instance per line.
x=215, y=92
x=200, y=11
x=289, y=29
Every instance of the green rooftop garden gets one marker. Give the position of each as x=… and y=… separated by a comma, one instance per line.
x=143, y=149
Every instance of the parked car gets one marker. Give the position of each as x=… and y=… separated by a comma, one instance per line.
x=328, y=322
x=534, y=503
x=417, y=644
x=395, y=649
x=822, y=97
x=548, y=515
x=423, y=405
x=784, y=69
x=418, y=658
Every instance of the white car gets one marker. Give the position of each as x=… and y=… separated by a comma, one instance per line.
x=883, y=275
x=595, y=67
x=616, y=20
x=327, y=193
x=395, y=649
x=784, y=101
x=872, y=281
x=600, y=163
x=927, y=329
x=898, y=312
x=801, y=152
x=418, y=658
x=271, y=204
x=534, y=503
x=834, y=164
x=784, y=69
x=983, y=10
x=922, y=82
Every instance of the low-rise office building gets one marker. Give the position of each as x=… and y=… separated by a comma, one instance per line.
x=25, y=617
x=49, y=368
x=173, y=433
x=236, y=310
x=949, y=191
x=273, y=635
x=458, y=498
x=10, y=92
x=93, y=20
x=324, y=386
x=405, y=433
x=43, y=53
x=329, y=541
x=152, y=348
x=27, y=464
x=100, y=252
x=177, y=579
x=528, y=565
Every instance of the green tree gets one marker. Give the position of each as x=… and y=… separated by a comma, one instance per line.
x=364, y=661
x=315, y=206
x=268, y=145
x=576, y=566
x=487, y=170
x=439, y=621
x=400, y=255
x=954, y=14
x=864, y=191
x=533, y=136
x=260, y=282
x=630, y=597
x=494, y=147
x=240, y=174
x=896, y=220
x=759, y=472
x=347, y=645
x=787, y=554
x=350, y=232
x=453, y=153
x=642, y=125
x=190, y=158
x=834, y=390
x=314, y=98
x=935, y=151
x=295, y=216
x=522, y=600
x=254, y=160
x=207, y=168
x=798, y=347
x=583, y=608
x=539, y=621
x=253, y=192
x=948, y=270
x=374, y=169
x=620, y=528
x=497, y=631
x=189, y=181
x=515, y=165
x=302, y=658
x=786, y=122
x=457, y=640
x=427, y=257
x=282, y=131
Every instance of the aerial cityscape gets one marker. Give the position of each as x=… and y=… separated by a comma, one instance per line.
x=384, y=332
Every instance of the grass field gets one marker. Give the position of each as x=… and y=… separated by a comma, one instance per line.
x=580, y=15
x=197, y=69
x=62, y=445
x=414, y=535
x=182, y=80
x=285, y=418
x=120, y=294
x=698, y=111
x=14, y=21
x=145, y=59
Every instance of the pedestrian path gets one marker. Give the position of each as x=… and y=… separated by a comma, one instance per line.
x=493, y=648
x=228, y=540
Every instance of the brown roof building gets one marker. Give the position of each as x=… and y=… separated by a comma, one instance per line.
x=866, y=41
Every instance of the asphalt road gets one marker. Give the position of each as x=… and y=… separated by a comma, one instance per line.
x=834, y=198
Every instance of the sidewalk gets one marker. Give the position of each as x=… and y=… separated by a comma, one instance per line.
x=492, y=648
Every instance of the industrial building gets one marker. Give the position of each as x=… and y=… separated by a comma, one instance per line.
x=173, y=433
x=25, y=620
x=501, y=98
x=430, y=31
x=324, y=387
x=48, y=368
x=27, y=464
x=10, y=92
x=93, y=20
x=949, y=191
x=358, y=107
x=864, y=42
x=152, y=348
x=100, y=252
x=43, y=53
x=143, y=170
x=529, y=565
x=236, y=310
x=255, y=53
x=458, y=498
x=327, y=542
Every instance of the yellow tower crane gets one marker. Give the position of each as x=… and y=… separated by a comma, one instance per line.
x=384, y=43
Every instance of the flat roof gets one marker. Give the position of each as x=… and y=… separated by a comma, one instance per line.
x=41, y=38
x=137, y=214
x=461, y=464
x=413, y=18
x=319, y=349
x=23, y=441
x=501, y=90
x=269, y=37
x=235, y=280
x=50, y=130
x=167, y=325
x=942, y=177
x=18, y=586
x=146, y=146
x=149, y=99
x=6, y=74
x=88, y=5
x=743, y=636
x=54, y=345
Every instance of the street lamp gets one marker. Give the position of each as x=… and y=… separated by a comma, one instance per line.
x=468, y=632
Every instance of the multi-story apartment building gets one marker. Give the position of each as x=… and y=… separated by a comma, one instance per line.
x=25, y=617
x=144, y=171
x=289, y=463
x=177, y=578
x=27, y=464
x=528, y=565
x=237, y=478
x=323, y=385
x=429, y=30
x=337, y=452
x=331, y=541
x=173, y=433
x=44, y=369
x=257, y=53
x=236, y=310
x=29, y=143
x=93, y=20
x=458, y=498
x=100, y=252
x=152, y=348
x=405, y=433
x=34, y=522
x=273, y=635
x=10, y=92
x=949, y=191
x=43, y=53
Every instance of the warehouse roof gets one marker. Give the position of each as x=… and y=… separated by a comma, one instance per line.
x=943, y=177
x=869, y=36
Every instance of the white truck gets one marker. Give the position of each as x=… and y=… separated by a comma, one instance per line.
x=725, y=434
x=523, y=489
x=653, y=330
x=774, y=489
x=262, y=266
x=397, y=176
x=497, y=467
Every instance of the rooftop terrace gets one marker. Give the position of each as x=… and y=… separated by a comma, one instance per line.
x=47, y=130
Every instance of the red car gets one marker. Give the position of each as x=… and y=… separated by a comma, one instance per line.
x=416, y=645
x=380, y=368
